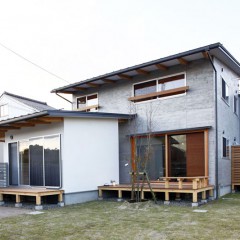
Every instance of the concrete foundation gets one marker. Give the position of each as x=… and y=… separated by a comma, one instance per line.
x=17, y=205
x=80, y=197
x=38, y=207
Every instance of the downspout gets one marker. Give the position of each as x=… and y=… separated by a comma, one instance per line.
x=216, y=122
x=63, y=98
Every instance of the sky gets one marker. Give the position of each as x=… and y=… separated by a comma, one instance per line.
x=79, y=39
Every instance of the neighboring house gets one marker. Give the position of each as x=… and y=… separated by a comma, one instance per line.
x=12, y=105
x=188, y=102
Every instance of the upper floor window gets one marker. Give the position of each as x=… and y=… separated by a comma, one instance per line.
x=235, y=104
x=225, y=147
x=4, y=110
x=158, y=88
x=225, y=91
x=88, y=103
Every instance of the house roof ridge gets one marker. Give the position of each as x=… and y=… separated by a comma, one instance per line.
x=25, y=98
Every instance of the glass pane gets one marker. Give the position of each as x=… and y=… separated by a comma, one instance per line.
x=92, y=100
x=145, y=88
x=24, y=162
x=36, y=162
x=52, y=160
x=177, y=166
x=150, y=154
x=81, y=102
x=174, y=84
x=13, y=164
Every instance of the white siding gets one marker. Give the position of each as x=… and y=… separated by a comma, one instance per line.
x=90, y=154
x=15, y=108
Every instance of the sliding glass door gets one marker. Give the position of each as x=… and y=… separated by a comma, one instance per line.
x=39, y=161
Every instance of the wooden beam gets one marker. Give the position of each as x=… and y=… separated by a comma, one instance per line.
x=8, y=128
x=93, y=85
x=125, y=76
x=141, y=71
x=25, y=124
x=51, y=119
x=182, y=61
x=161, y=66
x=80, y=88
x=205, y=55
x=164, y=93
x=108, y=81
x=35, y=121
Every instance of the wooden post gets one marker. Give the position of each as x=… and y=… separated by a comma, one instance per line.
x=178, y=197
x=180, y=183
x=166, y=183
x=18, y=198
x=1, y=197
x=166, y=196
x=194, y=183
x=204, y=195
x=211, y=193
x=38, y=200
x=194, y=197
x=100, y=194
x=60, y=197
x=119, y=194
x=142, y=195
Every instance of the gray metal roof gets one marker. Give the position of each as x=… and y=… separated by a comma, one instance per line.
x=37, y=105
x=215, y=49
x=64, y=113
x=176, y=131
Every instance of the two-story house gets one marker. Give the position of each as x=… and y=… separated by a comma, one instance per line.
x=187, y=103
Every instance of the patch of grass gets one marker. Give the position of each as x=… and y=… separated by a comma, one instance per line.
x=113, y=220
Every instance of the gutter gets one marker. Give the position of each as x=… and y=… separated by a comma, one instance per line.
x=216, y=126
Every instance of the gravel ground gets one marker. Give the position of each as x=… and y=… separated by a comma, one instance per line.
x=10, y=211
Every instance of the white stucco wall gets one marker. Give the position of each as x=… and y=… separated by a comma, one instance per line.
x=90, y=155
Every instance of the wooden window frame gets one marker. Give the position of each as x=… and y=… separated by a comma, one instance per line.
x=162, y=94
x=166, y=135
x=86, y=108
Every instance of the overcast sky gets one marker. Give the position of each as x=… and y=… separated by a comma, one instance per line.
x=80, y=39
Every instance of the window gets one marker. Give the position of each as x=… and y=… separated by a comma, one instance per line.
x=162, y=87
x=235, y=104
x=39, y=161
x=88, y=103
x=225, y=91
x=225, y=147
x=4, y=110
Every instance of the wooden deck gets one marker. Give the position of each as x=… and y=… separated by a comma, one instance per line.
x=30, y=191
x=194, y=186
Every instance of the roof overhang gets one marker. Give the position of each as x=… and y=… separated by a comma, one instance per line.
x=217, y=50
x=173, y=131
x=53, y=116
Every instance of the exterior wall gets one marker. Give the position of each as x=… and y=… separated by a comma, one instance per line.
x=228, y=123
x=195, y=109
x=15, y=108
x=90, y=154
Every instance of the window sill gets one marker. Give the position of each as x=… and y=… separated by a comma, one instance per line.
x=160, y=94
x=86, y=108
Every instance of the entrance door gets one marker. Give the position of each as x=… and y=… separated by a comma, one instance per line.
x=13, y=163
